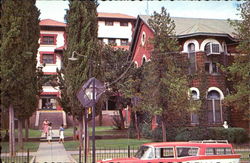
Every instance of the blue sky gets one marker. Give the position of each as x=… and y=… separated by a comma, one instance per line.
x=55, y=9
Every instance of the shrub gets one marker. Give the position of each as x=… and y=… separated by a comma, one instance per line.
x=146, y=130
x=117, y=123
x=157, y=134
x=233, y=135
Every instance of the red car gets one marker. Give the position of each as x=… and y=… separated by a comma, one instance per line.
x=182, y=152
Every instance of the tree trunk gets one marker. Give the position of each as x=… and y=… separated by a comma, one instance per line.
x=137, y=127
x=80, y=132
x=12, y=149
x=121, y=118
x=164, y=132
x=74, y=128
x=100, y=118
x=26, y=129
x=20, y=133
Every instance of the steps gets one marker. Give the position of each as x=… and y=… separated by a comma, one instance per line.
x=55, y=117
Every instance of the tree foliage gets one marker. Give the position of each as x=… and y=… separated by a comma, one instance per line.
x=238, y=72
x=165, y=85
x=82, y=38
x=20, y=34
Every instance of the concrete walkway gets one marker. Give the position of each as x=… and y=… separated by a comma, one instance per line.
x=53, y=152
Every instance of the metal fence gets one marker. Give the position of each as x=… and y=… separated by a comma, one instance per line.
x=108, y=152
x=21, y=157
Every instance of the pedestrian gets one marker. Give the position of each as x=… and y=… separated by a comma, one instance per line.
x=45, y=127
x=61, y=134
x=50, y=133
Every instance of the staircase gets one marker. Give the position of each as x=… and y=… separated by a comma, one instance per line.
x=55, y=117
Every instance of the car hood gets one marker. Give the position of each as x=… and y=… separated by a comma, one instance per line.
x=121, y=160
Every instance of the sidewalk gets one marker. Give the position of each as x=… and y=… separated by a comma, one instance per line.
x=53, y=152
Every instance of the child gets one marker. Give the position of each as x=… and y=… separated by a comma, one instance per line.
x=49, y=135
x=61, y=134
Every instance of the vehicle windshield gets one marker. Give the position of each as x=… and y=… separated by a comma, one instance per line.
x=144, y=152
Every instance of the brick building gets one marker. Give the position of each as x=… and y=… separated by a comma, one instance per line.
x=205, y=42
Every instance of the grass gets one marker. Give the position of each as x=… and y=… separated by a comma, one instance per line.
x=32, y=133
x=244, y=155
x=99, y=131
x=32, y=146
x=108, y=143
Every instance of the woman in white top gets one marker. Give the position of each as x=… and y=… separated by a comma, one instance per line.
x=61, y=134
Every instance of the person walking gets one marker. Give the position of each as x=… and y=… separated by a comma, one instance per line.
x=49, y=135
x=61, y=134
x=45, y=127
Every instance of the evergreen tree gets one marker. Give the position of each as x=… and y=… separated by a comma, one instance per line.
x=116, y=68
x=238, y=72
x=165, y=88
x=82, y=38
x=20, y=30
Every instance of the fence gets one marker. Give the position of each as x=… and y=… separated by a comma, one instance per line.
x=106, y=152
x=21, y=157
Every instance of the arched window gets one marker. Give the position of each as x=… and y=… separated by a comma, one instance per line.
x=194, y=116
x=192, y=58
x=214, y=107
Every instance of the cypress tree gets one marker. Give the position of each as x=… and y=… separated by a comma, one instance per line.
x=82, y=38
x=20, y=31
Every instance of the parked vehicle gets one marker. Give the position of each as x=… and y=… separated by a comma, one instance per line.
x=206, y=151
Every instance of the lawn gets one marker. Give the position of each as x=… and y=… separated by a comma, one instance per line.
x=32, y=133
x=108, y=143
x=32, y=146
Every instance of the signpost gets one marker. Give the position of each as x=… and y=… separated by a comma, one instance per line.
x=89, y=93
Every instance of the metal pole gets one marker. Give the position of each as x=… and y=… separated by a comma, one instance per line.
x=93, y=125
x=85, y=135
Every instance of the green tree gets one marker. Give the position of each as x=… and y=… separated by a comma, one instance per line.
x=165, y=88
x=20, y=33
x=116, y=69
x=82, y=38
x=238, y=72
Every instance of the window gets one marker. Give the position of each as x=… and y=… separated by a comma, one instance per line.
x=49, y=80
x=214, y=107
x=212, y=48
x=187, y=151
x=192, y=58
x=111, y=41
x=49, y=102
x=219, y=151
x=211, y=68
x=143, y=38
x=167, y=152
x=48, y=58
x=194, y=116
x=123, y=23
x=48, y=39
x=145, y=152
x=124, y=42
x=109, y=23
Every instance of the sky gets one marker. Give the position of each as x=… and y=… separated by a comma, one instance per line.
x=56, y=9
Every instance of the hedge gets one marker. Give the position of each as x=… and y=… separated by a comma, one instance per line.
x=233, y=135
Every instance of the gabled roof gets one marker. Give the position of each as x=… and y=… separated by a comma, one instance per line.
x=52, y=23
x=191, y=26
x=114, y=15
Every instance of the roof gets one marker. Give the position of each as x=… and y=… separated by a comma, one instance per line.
x=201, y=26
x=161, y=144
x=50, y=22
x=114, y=15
